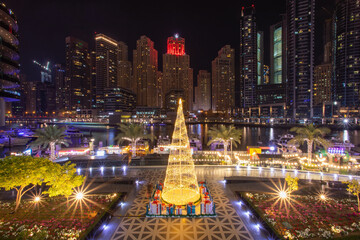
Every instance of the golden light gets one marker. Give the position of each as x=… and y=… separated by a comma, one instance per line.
x=180, y=185
x=283, y=195
x=37, y=199
x=79, y=196
x=322, y=197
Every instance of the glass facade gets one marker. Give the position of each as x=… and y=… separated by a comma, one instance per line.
x=259, y=59
x=278, y=55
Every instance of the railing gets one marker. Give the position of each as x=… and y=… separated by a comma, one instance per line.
x=8, y=45
x=9, y=78
x=9, y=61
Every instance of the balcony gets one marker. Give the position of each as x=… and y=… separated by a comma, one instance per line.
x=9, y=78
x=9, y=95
x=9, y=29
x=10, y=46
x=9, y=62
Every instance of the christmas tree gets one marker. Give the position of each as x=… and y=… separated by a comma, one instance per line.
x=180, y=186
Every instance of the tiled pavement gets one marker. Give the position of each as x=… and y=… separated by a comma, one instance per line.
x=227, y=224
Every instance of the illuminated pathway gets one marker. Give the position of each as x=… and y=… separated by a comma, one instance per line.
x=232, y=221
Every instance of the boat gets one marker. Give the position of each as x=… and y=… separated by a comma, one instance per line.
x=73, y=132
x=195, y=143
x=10, y=140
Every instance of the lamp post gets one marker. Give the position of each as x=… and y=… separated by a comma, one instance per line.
x=231, y=148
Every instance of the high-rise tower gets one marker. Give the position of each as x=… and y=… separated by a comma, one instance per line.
x=107, y=51
x=248, y=57
x=346, y=80
x=203, y=90
x=177, y=74
x=9, y=59
x=145, y=67
x=223, y=80
x=77, y=71
x=301, y=33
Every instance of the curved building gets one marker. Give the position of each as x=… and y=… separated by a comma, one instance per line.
x=9, y=59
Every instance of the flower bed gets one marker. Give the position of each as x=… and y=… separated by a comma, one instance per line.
x=53, y=218
x=308, y=217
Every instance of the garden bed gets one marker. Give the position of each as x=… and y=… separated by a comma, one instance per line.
x=307, y=217
x=53, y=218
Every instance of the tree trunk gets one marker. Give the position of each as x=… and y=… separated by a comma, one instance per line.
x=134, y=148
x=225, y=148
x=18, y=198
x=358, y=202
x=310, y=144
x=52, y=151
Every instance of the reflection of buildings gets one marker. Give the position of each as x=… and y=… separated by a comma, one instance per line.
x=223, y=80
x=177, y=74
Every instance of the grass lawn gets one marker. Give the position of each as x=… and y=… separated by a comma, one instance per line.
x=306, y=217
x=53, y=218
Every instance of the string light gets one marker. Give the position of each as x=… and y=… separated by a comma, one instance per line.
x=180, y=185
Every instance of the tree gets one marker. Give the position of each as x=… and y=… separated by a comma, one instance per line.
x=132, y=133
x=292, y=183
x=312, y=135
x=50, y=136
x=23, y=173
x=353, y=187
x=225, y=135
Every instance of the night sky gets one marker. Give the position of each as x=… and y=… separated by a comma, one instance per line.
x=206, y=27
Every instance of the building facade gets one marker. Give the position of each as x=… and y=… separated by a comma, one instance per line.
x=203, y=91
x=177, y=74
x=118, y=100
x=346, y=56
x=223, y=80
x=107, y=51
x=77, y=71
x=300, y=37
x=124, y=67
x=60, y=87
x=145, y=78
x=248, y=58
x=9, y=60
x=322, y=83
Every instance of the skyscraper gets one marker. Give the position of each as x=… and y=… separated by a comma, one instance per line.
x=260, y=57
x=346, y=80
x=145, y=67
x=203, y=90
x=107, y=51
x=177, y=74
x=9, y=59
x=60, y=86
x=124, y=67
x=223, y=80
x=300, y=37
x=248, y=57
x=77, y=71
x=278, y=52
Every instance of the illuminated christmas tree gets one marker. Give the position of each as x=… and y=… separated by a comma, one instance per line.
x=180, y=186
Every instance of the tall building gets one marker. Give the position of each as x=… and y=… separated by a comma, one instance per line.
x=118, y=100
x=77, y=71
x=177, y=74
x=9, y=59
x=278, y=54
x=203, y=90
x=322, y=83
x=145, y=67
x=223, y=80
x=30, y=98
x=248, y=57
x=260, y=57
x=300, y=37
x=107, y=51
x=124, y=67
x=346, y=80
x=93, y=78
x=60, y=86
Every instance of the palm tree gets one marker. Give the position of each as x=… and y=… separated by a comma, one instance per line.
x=226, y=135
x=50, y=136
x=312, y=135
x=132, y=133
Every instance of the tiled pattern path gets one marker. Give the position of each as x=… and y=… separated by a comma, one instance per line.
x=227, y=224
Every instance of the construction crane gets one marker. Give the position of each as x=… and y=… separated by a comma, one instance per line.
x=45, y=71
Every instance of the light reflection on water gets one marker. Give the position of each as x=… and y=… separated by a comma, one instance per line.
x=252, y=136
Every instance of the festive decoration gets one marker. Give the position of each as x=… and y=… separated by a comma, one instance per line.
x=180, y=186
